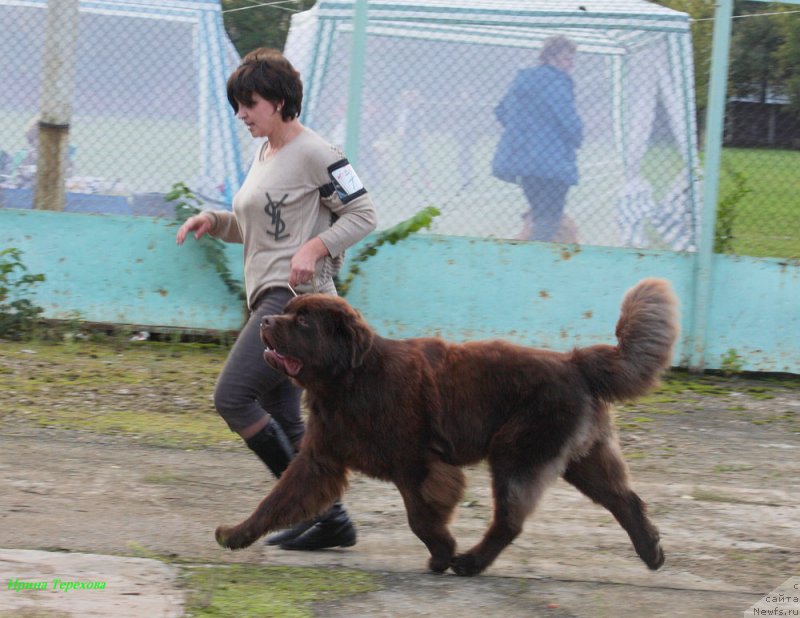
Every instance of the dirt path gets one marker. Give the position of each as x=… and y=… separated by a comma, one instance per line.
x=721, y=475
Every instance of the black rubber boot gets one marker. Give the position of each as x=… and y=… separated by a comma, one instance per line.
x=332, y=529
x=272, y=447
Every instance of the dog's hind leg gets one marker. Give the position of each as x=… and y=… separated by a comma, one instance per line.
x=516, y=494
x=429, y=506
x=603, y=476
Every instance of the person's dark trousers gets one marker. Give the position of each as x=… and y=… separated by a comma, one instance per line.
x=331, y=529
x=546, y=198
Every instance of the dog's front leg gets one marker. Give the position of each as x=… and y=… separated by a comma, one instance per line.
x=306, y=489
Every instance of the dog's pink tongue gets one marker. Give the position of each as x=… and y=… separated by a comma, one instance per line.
x=291, y=366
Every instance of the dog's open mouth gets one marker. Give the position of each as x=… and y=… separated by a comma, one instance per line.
x=288, y=365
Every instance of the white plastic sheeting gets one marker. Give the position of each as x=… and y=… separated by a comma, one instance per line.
x=634, y=89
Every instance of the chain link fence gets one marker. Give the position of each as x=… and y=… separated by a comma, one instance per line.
x=148, y=106
x=465, y=109
x=445, y=89
x=759, y=209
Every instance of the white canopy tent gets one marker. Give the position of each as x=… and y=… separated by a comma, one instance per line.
x=149, y=106
x=634, y=90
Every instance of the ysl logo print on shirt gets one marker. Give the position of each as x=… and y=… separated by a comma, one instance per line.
x=273, y=210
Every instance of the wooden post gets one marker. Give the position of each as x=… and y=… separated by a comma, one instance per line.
x=58, y=77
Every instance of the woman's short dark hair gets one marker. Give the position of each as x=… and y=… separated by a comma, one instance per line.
x=267, y=72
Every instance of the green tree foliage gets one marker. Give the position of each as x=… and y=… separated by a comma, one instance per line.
x=754, y=66
x=789, y=57
x=765, y=48
x=252, y=24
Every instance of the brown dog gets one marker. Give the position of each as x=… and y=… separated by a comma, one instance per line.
x=414, y=411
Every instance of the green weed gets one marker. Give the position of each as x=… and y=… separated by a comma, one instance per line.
x=247, y=591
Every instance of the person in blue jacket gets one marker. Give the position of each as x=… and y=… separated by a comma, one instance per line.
x=542, y=133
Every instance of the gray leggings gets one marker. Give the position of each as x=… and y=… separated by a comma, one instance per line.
x=248, y=389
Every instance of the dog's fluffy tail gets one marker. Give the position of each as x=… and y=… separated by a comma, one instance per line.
x=646, y=331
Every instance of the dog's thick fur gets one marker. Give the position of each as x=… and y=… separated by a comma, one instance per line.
x=414, y=411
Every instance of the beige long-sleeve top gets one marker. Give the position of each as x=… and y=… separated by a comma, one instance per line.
x=305, y=189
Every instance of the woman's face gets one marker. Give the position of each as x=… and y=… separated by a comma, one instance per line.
x=261, y=118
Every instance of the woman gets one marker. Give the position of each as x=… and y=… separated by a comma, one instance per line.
x=297, y=211
x=542, y=132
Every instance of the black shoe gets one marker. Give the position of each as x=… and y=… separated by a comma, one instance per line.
x=323, y=535
x=284, y=536
x=333, y=529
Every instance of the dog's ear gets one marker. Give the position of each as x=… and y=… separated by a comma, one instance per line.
x=361, y=337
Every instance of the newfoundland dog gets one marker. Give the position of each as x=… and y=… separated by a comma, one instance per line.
x=415, y=411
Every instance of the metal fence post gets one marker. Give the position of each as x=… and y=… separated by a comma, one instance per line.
x=715, y=115
x=356, y=80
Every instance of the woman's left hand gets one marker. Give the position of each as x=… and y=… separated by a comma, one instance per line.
x=304, y=262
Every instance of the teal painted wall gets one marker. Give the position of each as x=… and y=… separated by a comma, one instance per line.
x=125, y=270
x=552, y=296
x=558, y=296
x=128, y=270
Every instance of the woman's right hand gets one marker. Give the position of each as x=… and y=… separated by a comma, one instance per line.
x=199, y=224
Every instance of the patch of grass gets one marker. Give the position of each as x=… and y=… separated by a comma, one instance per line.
x=659, y=397
x=677, y=382
x=252, y=591
x=767, y=217
x=780, y=417
x=733, y=468
x=140, y=551
x=163, y=477
x=160, y=393
x=247, y=591
x=707, y=495
x=760, y=392
x=632, y=454
x=155, y=428
x=627, y=424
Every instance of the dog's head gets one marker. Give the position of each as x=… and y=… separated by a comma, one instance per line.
x=318, y=336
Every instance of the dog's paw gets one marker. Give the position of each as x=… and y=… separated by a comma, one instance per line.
x=465, y=565
x=655, y=560
x=221, y=534
x=230, y=538
x=439, y=565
